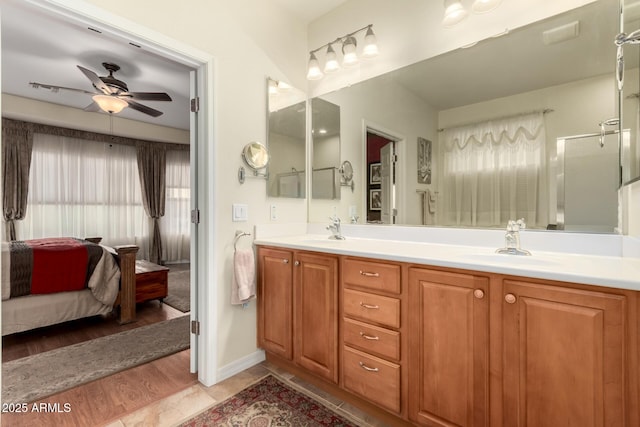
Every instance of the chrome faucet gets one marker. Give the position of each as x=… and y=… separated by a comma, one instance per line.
x=512, y=239
x=334, y=227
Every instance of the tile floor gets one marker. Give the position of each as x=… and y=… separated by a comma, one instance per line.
x=195, y=399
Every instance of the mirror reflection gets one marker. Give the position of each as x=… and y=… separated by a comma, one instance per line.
x=630, y=96
x=325, y=134
x=492, y=115
x=286, y=140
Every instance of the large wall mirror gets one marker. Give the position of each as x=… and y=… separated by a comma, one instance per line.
x=516, y=126
x=286, y=136
x=325, y=137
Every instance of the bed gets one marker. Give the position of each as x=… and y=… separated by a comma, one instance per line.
x=54, y=280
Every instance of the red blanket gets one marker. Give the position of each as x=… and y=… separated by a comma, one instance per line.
x=44, y=266
x=59, y=264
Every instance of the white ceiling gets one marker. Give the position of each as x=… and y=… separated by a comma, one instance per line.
x=37, y=47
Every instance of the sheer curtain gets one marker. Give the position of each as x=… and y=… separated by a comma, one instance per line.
x=494, y=171
x=84, y=188
x=175, y=225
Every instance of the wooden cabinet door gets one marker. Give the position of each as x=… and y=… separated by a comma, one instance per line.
x=563, y=356
x=316, y=317
x=275, y=301
x=448, y=348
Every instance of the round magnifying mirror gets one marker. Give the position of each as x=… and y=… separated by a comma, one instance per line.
x=347, y=171
x=255, y=155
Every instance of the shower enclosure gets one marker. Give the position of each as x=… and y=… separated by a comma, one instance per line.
x=588, y=179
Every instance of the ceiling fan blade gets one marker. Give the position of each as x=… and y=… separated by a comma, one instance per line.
x=54, y=88
x=148, y=96
x=92, y=108
x=143, y=108
x=95, y=80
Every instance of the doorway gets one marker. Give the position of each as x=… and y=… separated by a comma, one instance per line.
x=381, y=158
x=200, y=132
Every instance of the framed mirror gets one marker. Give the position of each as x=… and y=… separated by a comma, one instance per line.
x=560, y=69
x=286, y=138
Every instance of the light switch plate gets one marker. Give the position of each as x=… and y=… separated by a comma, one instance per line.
x=240, y=212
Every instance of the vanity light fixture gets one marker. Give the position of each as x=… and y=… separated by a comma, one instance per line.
x=455, y=12
x=349, y=45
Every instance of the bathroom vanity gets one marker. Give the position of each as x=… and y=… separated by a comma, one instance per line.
x=440, y=335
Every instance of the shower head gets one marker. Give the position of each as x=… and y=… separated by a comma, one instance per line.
x=624, y=38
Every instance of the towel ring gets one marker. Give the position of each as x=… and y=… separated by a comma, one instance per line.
x=239, y=234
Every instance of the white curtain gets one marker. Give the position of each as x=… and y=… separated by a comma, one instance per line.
x=494, y=171
x=82, y=188
x=175, y=225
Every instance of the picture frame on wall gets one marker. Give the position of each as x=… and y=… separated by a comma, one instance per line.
x=375, y=173
x=424, y=161
x=375, y=199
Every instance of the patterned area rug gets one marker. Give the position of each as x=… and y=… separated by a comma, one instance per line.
x=34, y=377
x=179, y=287
x=269, y=402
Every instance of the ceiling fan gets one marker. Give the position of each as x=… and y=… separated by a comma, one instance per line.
x=113, y=95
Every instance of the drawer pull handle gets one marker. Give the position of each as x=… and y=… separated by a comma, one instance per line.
x=369, y=306
x=366, y=368
x=368, y=337
x=478, y=293
x=369, y=274
x=286, y=261
x=297, y=263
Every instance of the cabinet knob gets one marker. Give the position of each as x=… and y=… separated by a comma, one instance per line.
x=296, y=263
x=510, y=298
x=285, y=261
x=478, y=293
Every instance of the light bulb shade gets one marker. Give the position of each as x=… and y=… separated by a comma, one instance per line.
x=273, y=87
x=350, y=57
x=370, y=44
x=332, y=61
x=482, y=6
x=313, y=71
x=454, y=12
x=110, y=104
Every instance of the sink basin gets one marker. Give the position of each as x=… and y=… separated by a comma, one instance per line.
x=509, y=259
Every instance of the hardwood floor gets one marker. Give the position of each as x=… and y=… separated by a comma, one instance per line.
x=39, y=340
x=109, y=398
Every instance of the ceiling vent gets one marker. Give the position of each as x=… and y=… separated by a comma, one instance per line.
x=561, y=33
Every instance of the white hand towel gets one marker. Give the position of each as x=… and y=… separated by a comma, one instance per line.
x=244, y=276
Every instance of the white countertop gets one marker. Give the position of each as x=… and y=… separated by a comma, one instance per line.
x=608, y=271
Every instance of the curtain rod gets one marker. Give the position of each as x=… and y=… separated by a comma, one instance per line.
x=545, y=111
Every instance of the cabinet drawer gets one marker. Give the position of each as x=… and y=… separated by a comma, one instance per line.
x=372, y=339
x=372, y=275
x=372, y=308
x=375, y=379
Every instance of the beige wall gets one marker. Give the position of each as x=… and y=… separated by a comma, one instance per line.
x=249, y=40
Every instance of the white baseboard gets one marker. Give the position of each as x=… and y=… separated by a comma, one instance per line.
x=240, y=365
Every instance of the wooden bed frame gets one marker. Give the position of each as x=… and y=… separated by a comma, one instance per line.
x=125, y=302
x=127, y=297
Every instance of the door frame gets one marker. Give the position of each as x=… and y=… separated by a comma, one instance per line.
x=400, y=149
x=204, y=359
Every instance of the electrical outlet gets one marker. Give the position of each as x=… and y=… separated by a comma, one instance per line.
x=274, y=213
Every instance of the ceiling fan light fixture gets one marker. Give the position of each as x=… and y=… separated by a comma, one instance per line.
x=110, y=104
